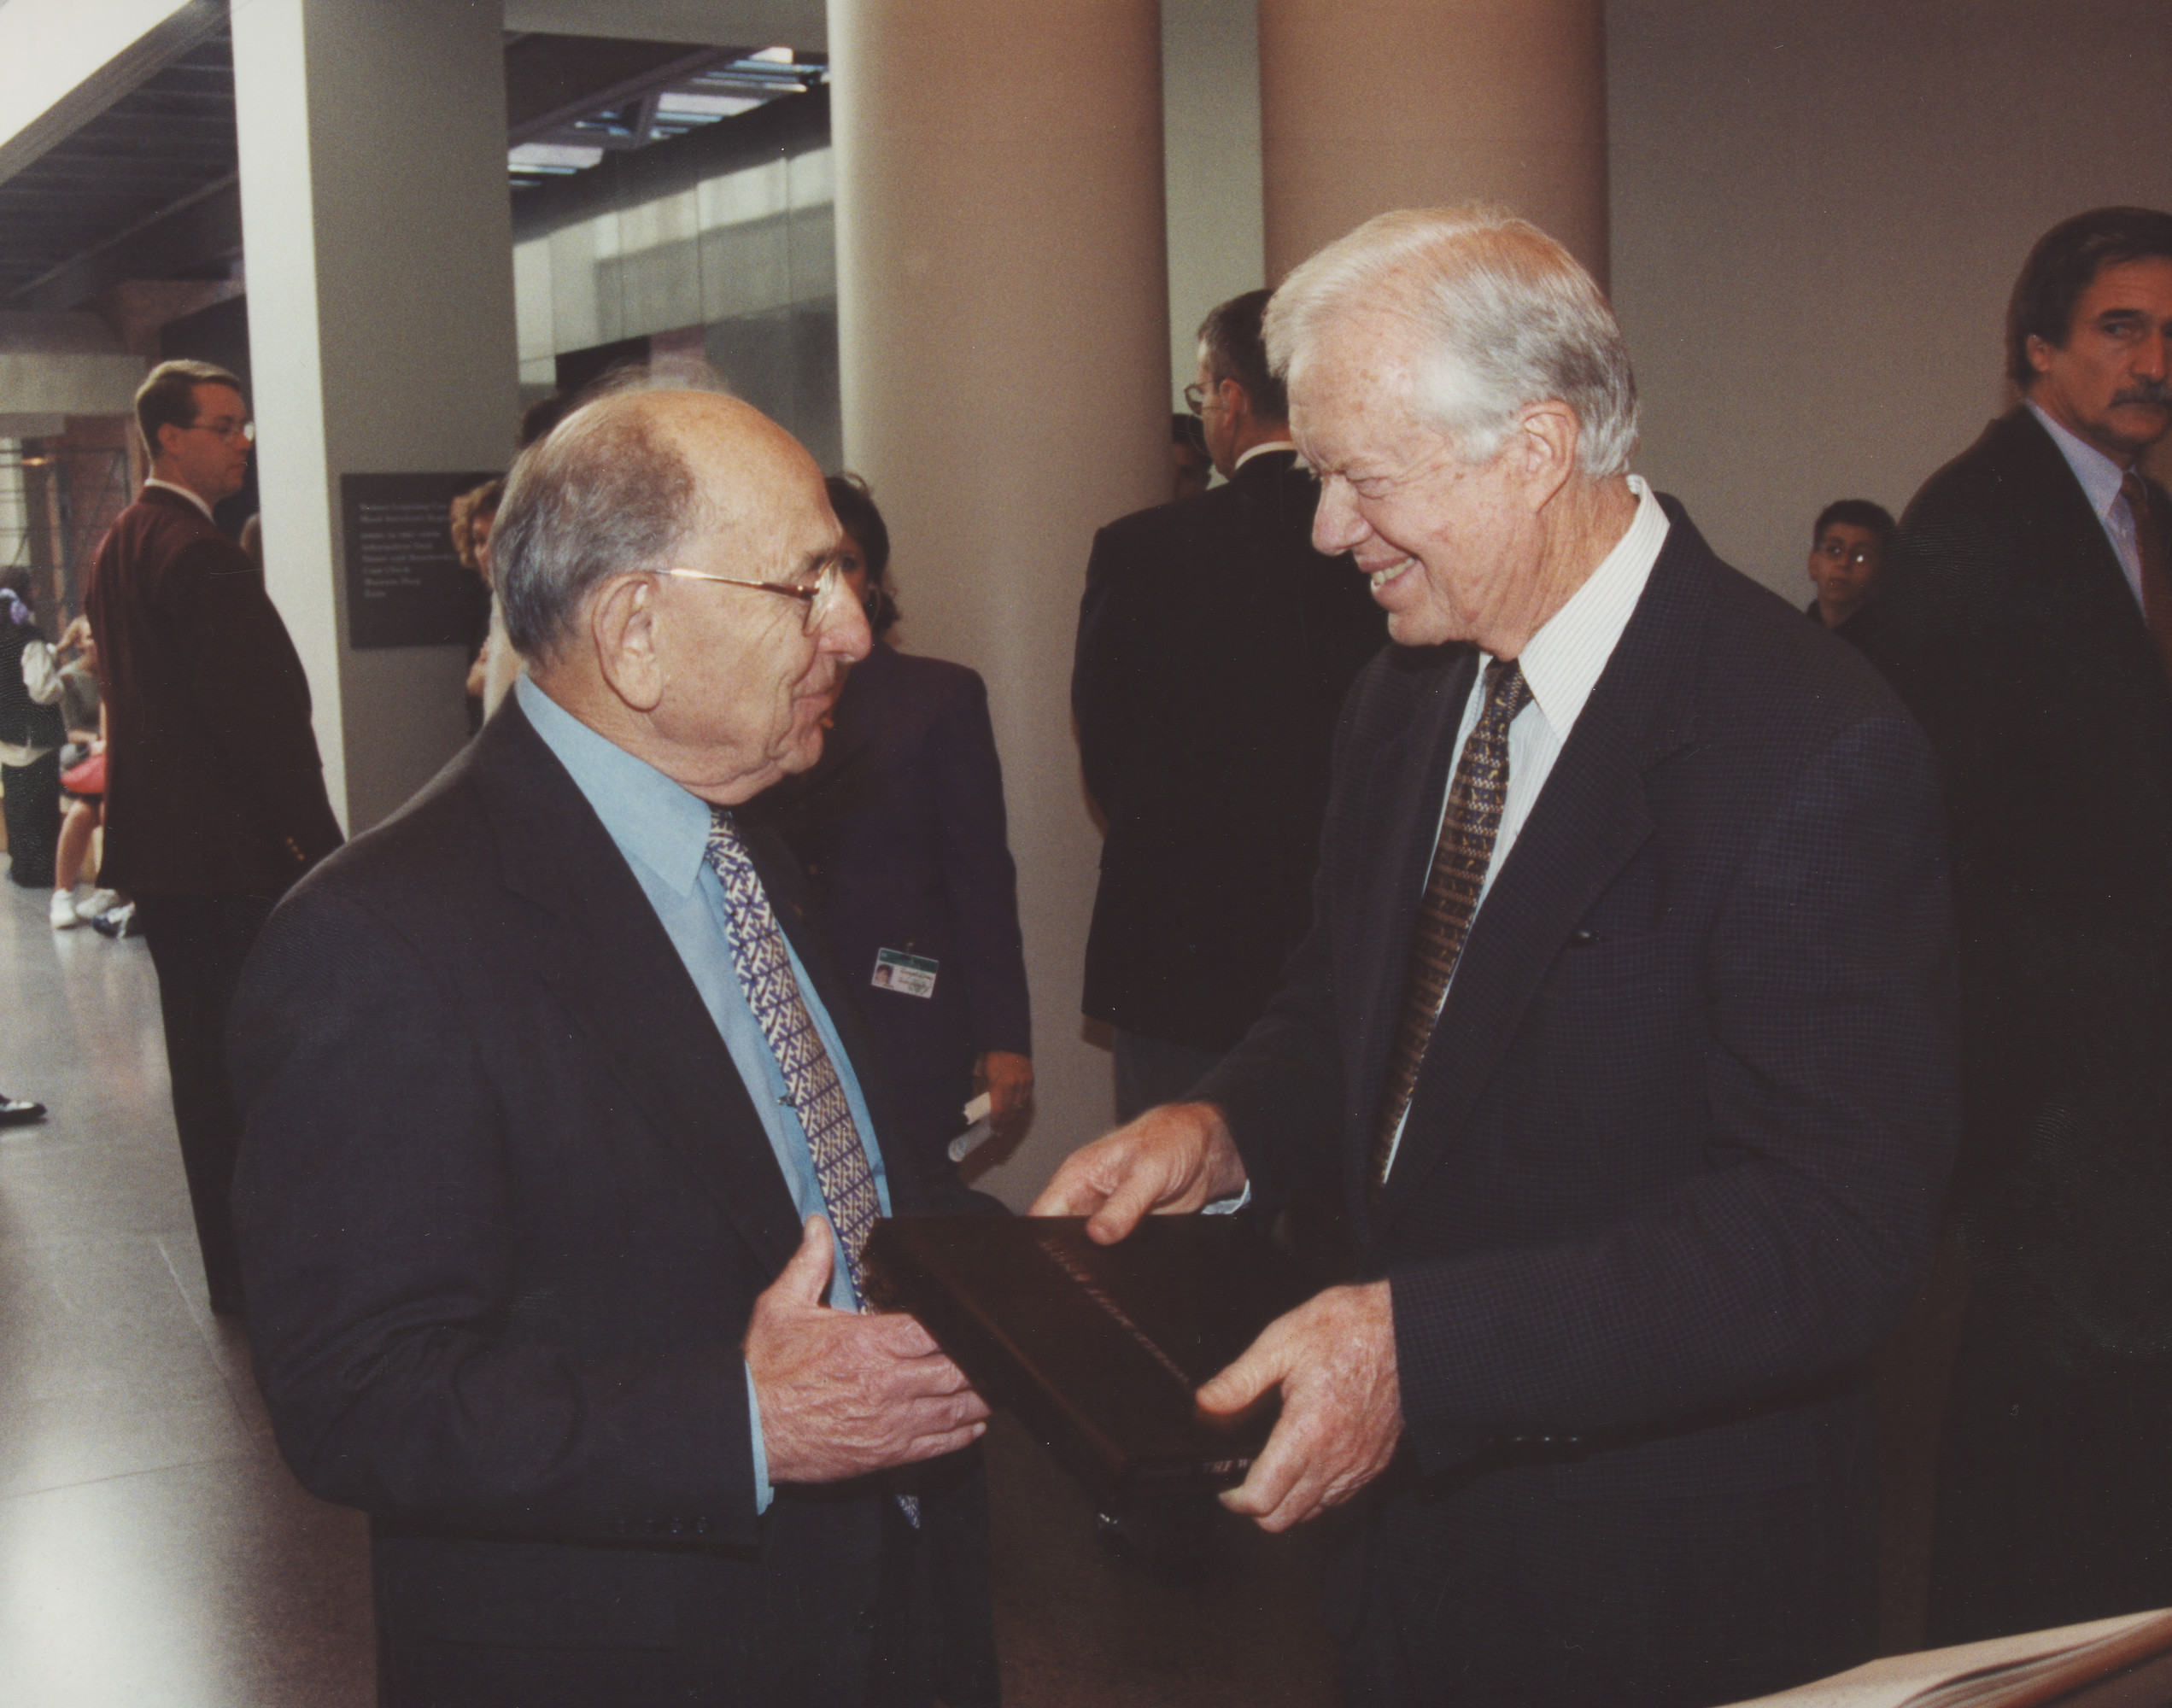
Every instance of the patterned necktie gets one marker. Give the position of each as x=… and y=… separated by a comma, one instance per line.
x=765, y=978
x=1460, y=862
x=2156, y=574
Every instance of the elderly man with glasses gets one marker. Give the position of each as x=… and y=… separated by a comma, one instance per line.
x=214, y=793
x=559, y=1154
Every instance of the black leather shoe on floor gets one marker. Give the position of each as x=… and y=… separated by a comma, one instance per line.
x=120, y=921
x=20, y=1112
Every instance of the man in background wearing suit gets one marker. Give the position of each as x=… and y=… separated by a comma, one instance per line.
x=214, y=793
x=2029, y=614
x=561, y=1153
x=1215, y=649
x=1625, y=1021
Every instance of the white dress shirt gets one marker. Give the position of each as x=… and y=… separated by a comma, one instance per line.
x=194, y=498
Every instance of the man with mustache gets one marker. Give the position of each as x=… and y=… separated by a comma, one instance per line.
x=557, y=1166
x=2029, y=627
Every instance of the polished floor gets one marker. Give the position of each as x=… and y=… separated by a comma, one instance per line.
x=154, y=1550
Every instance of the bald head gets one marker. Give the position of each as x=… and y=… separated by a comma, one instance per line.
x=622, y=484
x=669, y=575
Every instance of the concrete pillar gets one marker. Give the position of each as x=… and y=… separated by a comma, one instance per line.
x=378, y=237
x=1211, y=106
x=1367, y=105
x=1003, y=338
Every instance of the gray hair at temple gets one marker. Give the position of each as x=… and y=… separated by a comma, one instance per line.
x=605, y=492
x=1495, y=313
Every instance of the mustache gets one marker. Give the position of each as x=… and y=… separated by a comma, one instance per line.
x=2153, y=394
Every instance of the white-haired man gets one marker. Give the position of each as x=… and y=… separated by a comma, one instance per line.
x=1625, y=1018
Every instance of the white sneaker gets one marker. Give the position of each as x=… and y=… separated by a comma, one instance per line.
x=63, y=913
x=97, y=902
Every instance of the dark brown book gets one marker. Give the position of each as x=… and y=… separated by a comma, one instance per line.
x=1097, y=1348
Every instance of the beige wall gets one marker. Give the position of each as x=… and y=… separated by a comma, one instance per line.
x=1818, y=213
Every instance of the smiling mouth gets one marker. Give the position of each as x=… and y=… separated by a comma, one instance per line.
x=1387, y=572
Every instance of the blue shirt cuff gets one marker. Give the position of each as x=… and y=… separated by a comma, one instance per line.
x=764, y=1493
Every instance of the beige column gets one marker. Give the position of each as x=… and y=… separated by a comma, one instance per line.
x=379, y=233
x=1004, y=342
x=1367, y=105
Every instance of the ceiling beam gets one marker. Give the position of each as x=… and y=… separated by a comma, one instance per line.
x=84, y=97
x=200, y=232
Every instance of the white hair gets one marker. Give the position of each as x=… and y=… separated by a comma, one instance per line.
x=1497, y=315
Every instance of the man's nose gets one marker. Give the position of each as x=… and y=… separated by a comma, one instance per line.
x=1336, y=525
x=2153, y=355
x=845, y=630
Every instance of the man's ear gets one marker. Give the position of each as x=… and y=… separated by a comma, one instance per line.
x=1545, y=443
x=622, y=627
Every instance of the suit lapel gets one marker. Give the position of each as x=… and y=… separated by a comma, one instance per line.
x=600, y=948
x=1399, y=814
x=2100, y=582
x=1590, y=819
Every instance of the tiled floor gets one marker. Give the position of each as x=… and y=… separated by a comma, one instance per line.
x=153, y=1551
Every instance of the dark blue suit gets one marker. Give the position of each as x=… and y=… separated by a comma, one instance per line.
x=900, y=827
x=506, y=1206
x=2010, y=630
x=1215, y=648
x=1673, y=1166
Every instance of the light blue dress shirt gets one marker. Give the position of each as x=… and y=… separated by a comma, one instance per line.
x=2101, y=481
x=664, y=832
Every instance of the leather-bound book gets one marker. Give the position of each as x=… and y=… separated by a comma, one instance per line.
x=1097, y=1348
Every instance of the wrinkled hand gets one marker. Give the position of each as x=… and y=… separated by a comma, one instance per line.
x=842, y=1394
x=1171, y=1159
x=1334, y=1359
x=1008, y=1078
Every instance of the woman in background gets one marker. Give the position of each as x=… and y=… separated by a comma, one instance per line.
x=900, y=828
x=472, y=514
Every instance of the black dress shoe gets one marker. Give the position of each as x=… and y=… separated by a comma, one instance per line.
x=120, y=921
x=20, y=1112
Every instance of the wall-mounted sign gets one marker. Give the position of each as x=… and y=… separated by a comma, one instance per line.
x=405, y=586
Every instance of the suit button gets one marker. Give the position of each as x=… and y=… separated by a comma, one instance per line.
x=701, y=1527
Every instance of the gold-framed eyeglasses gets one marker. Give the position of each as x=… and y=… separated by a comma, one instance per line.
x=819, y=599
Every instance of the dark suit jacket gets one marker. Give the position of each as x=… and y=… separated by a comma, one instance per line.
x=1675, y=1154
x=504, y=1208
x=213, y=784
x=900, y=827
x=2010, y=631
x=1215, y=648
x=1857, y=630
